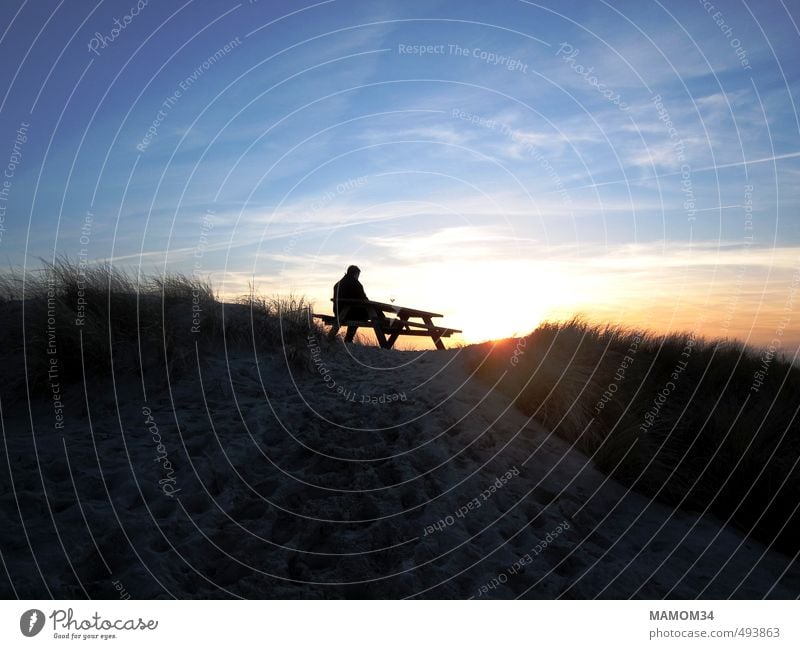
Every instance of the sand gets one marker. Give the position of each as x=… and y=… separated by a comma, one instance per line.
x=351, y=472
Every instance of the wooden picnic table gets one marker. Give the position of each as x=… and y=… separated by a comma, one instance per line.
x=389, y=329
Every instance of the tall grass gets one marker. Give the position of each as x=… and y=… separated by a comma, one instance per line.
x=97, y=319
x=707, y=425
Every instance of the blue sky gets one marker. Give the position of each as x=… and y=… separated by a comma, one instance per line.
x=635, y=161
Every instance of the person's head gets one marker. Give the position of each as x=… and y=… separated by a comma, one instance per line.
x=353, y=271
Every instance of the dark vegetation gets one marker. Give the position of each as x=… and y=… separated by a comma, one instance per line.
x=705, y=425
x=90, y=321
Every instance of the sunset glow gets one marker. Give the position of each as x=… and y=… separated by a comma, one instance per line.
x=499, y=167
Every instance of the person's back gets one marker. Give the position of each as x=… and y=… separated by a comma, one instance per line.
x=349, y=288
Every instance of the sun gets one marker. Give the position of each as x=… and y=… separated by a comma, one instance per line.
x=499, y=300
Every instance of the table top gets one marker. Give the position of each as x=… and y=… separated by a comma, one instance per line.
x=394, y=308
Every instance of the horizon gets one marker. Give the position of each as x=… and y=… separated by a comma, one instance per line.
x=71, y=276
x=634, y=164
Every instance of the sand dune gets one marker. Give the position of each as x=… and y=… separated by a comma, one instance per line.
x=346, y=472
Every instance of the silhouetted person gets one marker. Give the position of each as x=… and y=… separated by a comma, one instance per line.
x=348, y=288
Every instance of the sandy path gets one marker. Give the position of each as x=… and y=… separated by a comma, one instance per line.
x=345, y=478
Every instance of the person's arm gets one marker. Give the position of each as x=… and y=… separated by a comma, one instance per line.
x=335, y=297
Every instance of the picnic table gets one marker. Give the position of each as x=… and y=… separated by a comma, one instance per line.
x=404, y=322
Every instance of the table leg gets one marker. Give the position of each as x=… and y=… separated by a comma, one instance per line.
x=381, y=337
x=395, y=331
x=332, y=333
x=436, y=339
x=377, y=316
x=341, y=315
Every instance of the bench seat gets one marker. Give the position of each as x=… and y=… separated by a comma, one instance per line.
x=389, y=326
x=389, y=329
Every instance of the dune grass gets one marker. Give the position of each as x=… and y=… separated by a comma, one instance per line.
x=87, y=321
x=705, y=425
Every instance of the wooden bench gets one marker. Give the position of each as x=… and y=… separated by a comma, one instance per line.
x=389, y=329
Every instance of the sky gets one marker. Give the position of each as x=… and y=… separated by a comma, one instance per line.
x=501, y=163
